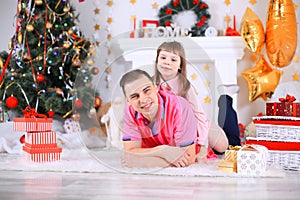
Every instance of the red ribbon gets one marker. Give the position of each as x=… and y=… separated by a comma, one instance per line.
x=29, y=112
x=288, y=98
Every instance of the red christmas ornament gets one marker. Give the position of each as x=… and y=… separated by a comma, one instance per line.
x=51, y=113
x=78, y=103
x=40, y=77
x=97, y=102
x=12, y=102
x=22, y=139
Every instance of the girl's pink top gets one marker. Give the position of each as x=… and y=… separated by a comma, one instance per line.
x=174, y=86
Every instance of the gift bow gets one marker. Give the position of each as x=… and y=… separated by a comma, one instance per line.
x=29, y=112
x=288, y=98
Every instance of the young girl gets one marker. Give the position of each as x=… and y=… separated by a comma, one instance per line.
x=170, y=75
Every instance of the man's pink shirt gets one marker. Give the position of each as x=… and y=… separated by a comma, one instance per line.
x=175, y=124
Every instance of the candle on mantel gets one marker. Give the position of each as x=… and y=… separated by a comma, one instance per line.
x=134, y=26
x=234, y=22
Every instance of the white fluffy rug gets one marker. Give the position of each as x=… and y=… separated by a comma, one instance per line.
x=108, y=161
x=77, y=158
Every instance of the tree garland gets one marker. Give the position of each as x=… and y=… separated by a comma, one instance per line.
x=174, y=7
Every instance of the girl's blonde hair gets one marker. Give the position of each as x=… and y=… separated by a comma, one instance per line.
x=176, y=48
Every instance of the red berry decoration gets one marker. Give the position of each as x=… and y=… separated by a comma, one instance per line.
x=78, y=103
x=12, y=102
x=40, y=77
x=22, y=139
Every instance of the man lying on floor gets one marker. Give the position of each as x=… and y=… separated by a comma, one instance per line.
x=159, y=128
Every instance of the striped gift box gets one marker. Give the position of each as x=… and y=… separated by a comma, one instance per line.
x=38, y=138
x=42, y=154
x=32, y=124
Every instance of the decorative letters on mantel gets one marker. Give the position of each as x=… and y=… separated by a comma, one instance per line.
x=168, y=31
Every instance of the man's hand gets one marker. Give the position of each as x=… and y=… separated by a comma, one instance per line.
x=159, y=156
x=176, y=156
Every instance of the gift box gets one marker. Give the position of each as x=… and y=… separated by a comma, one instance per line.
x=252, y=160
x=229, y=164
x=275, y=145
x=42, y=154
x=36, y=138
x=285, y=107
x=32, y=124
x=277, y=128
x=40, y=140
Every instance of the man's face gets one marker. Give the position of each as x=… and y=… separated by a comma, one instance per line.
x=142, y=95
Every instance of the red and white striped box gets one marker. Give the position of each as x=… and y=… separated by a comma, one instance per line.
x=32, y=124
x=42, y=154
x=38, y=138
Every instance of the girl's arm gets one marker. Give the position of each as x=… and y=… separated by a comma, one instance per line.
x=203, y=122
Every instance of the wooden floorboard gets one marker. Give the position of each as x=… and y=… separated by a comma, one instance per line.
x=87, y=186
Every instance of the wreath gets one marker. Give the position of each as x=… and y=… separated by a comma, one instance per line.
x=176, y=7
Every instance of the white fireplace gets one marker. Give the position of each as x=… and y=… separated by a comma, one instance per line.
x=218, y=54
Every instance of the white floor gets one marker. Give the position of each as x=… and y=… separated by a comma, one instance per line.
x=72, y=186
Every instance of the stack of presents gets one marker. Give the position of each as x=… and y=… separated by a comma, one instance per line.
x=40, y=140
x=277, y=141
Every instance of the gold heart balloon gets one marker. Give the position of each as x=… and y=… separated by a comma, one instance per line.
x=281, y=32
x=252, y=31
x=262, y=80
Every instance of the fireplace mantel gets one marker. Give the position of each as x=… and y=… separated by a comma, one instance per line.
x=223, y=51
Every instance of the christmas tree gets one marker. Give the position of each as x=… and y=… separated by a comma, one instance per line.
x=196, y=9
x=48, y=67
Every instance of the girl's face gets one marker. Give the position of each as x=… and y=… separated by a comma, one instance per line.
x=168, y=64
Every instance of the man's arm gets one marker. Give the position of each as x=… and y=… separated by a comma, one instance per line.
x=159, y=156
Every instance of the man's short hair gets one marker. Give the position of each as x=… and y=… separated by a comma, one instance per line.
x=131, y=76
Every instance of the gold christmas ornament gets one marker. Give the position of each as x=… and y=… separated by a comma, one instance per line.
x=252, y=31
x=19, y=6
x=90, y=62
x=20, y=37
x=262, y=80
x=38, y=2
x=48, y=25
x=108, y=70
x=95, y=70
x=76, y=117
x=26, y=57
x=29, y=27
x=66, y=44
x=281, y=32
x=76, y=62
x=9, y=44
x=70, y=31
x=66, y=9
x=1, y=63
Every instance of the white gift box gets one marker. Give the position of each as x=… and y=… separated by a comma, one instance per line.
x=252, y=160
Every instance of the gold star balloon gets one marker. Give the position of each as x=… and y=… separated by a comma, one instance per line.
x=262, y=80
x=281, y=32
